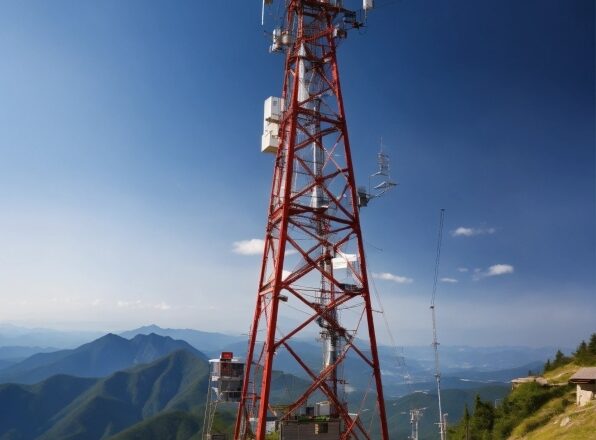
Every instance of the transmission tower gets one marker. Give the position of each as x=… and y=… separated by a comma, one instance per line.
x=313, y=281
x=415, y=416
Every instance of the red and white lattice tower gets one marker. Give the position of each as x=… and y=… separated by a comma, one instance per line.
x=313, y=281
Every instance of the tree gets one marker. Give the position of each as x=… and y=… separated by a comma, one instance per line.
x=560, y=359
x=483, y=418
x=592, y=344
x=467, y=422
x=582, y=350
x=547, y=366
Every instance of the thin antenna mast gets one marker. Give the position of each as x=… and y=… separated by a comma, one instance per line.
x=435, y=344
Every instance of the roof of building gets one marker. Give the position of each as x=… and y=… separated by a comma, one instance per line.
x=538, y=379
x=524, y=380
x=583, y=375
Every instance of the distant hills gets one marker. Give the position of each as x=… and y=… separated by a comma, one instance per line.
x=208, y=342
x=82, y=408
x=98, y=358
x=157, y=398
x=12, y=335
x=151, y=382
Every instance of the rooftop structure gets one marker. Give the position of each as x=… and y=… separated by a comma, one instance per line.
x=585, y=381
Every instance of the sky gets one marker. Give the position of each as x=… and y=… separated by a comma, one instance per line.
x=133, y=191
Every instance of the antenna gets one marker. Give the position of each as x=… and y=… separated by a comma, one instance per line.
x=435, y=344
x=265, y=2
x=381, y=180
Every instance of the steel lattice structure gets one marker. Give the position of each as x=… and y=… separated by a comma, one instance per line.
x=314, y=267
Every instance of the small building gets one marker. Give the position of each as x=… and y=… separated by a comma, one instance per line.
x=313, y=429
x=585, y=379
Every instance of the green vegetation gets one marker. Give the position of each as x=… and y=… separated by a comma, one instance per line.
x=530, y=406
x=584, y=355
x=176, y=425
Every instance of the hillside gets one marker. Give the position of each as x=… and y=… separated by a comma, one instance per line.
x=177, y=426
x=98, y=358
x=543, y=408
x=172, y=425
x=560, y=417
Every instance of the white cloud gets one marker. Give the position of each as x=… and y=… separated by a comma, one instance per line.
x=499, y=269
x=493, y=271
x=462, y=269
x=391, y=277
x=142, y=305
x=121, y=303
x=449, y=280
x=162, y=306
x=462, y=231
x=254, y=246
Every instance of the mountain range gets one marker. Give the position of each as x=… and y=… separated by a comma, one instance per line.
x=462, y=367
x=160, y=395
x=12, y=335
x=67, y=407
x=143, y=385
x=210, y=343
x=98, y=358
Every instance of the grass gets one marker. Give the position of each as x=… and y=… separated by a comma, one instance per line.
x=561, y=374
x=559, y=419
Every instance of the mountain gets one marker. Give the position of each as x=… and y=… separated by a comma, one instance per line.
x=5, y=363
x=161, y=400
x=73, y=408
x=28, y=410
x=98, y=358
x=207, y=342
x=11, y=335
x=20, y=352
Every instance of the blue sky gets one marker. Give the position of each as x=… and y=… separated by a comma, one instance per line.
x=130, y=164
